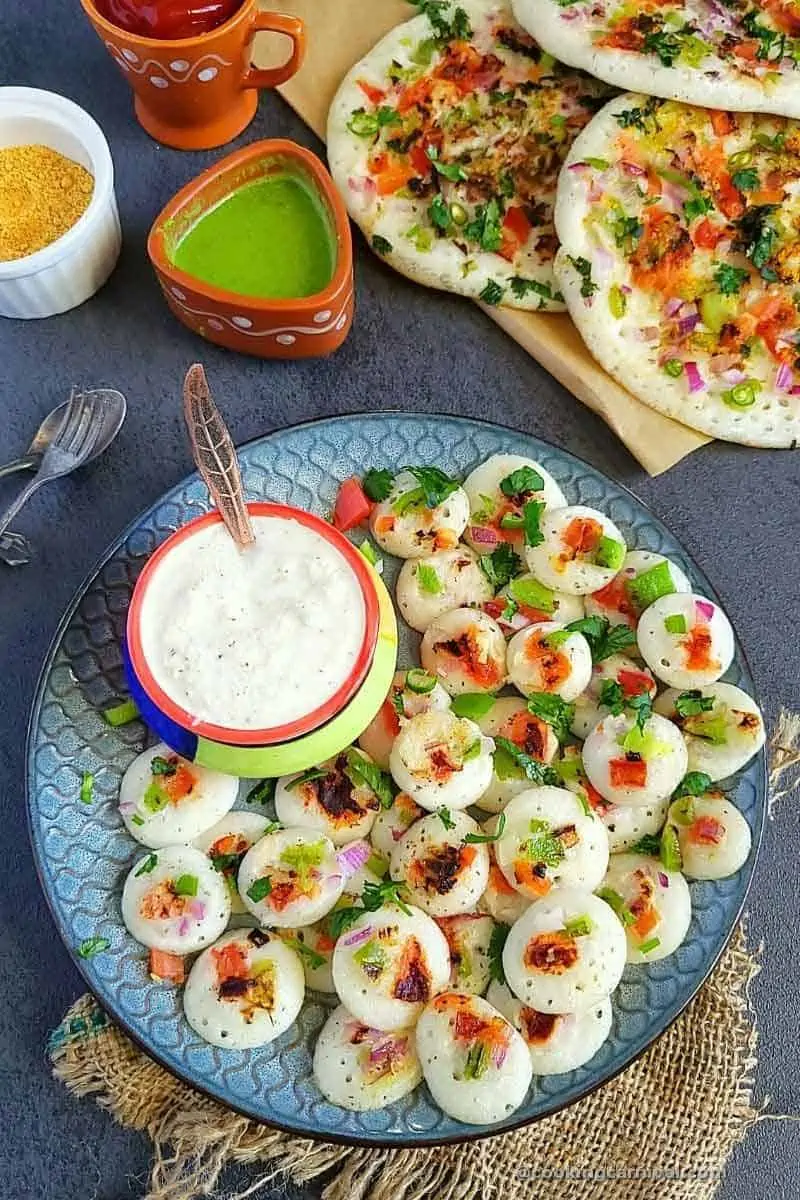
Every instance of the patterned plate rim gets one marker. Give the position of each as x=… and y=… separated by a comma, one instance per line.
x=469, y=1134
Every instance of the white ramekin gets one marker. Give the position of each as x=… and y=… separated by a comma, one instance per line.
x=71, y=269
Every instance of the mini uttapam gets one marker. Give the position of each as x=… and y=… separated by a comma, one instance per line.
x=565, y=953
x=625, y=824
x=713, y=837
x=444, y=872
x=359, y=1067
x=408, y=525
x=442, y=760
x=428, y=587
x=466, y=651
x=498, y=491
x=686, y=640
x=581, y=550
x=413, y=691
x=389, y=964
x=550, y=839
x=549, y=658
x=557, y=1042
x=475, y=1063
x=632, y=764
x=244, y=991
x=722, y=725
x=335, y=798
x=165, y=800
x=173, y=900
x=290, y=877
x=652, y=902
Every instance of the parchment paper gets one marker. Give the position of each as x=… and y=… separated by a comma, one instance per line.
x=339, y=33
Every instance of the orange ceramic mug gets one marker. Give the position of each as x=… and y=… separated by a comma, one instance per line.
x=199, y=92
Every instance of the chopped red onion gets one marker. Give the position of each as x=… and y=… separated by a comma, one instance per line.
x=198, y=909
x=352, y=857
x=127, y=806
x=705, y=609
x=578, y=166
x=663, y=880
x=499, y=1054
x=696, y=383
x=184, y=926
x=673, y=306
x=632, y=168
x=687, y=324
x=360, y=935
x=483, y=536
x=784, y=378
x=626, y=291
x=389, y=1049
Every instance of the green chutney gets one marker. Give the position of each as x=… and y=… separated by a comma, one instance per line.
x=270, y=238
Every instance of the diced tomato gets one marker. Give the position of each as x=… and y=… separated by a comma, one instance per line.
x=415, y=93
x=325, y=943
x=392, y=177
x=728, y=197
x=721, y=122
x=614, y=596
x=170, y=968
x=582, y=535
x=776, y=322
x=419, y=160
x=599, y=803
x=697, y=648
x=494, y=608
x=231, y=962
x=352, y=507
x=626, y=772
x=553, y=666
x=390, y=717
x=747, y=50
x=384, y=524
x=374, y=94
x=707, y=234
x=516, y=222
x=645, y=922
x=633, y=683
x=706, y=831
x=526, y=876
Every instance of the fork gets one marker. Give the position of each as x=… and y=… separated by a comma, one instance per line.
x=71, y=446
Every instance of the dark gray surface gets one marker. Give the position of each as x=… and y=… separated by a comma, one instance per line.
x=734, y=509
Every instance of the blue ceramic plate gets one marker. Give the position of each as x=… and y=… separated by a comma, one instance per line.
x=83, y=852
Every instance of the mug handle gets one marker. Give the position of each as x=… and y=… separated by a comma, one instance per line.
x=292, y=27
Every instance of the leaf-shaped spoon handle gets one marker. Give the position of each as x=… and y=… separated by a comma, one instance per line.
x=215, y=455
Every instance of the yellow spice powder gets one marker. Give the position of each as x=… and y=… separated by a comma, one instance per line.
x=42, y=195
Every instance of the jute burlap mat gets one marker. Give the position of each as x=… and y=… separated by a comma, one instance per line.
x=665, y=1127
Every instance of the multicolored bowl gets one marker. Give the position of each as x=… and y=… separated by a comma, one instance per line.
x=303, y=327
x=279, y=750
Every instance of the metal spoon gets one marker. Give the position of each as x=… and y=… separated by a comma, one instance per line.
x=91, y=419
x=50, y=427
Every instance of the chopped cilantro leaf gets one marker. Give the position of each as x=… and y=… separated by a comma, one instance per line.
x=375, y=895
x=479, y=839
x=693, y=784
x=91, y=946
x=584, y=269
x=496, y=943
x=531, y=517
x=377, y=484
x=556, y=712
x=745, y=180
x=381, y=245
x=149, y=864
x=508, y=754
x=649, y=844
x=501, y=565
x=690, y=703
x=491, y=292
x=445, y=817
x=369, y=774
x=521, y=482
x=604, y=638
x=729, y=279
x=436, y=485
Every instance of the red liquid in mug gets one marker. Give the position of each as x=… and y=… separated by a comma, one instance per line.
x=169, y=20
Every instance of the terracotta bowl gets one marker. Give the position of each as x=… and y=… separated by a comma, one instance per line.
x=296, y=328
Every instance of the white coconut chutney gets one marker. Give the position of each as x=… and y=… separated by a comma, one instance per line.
x=254, y=638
